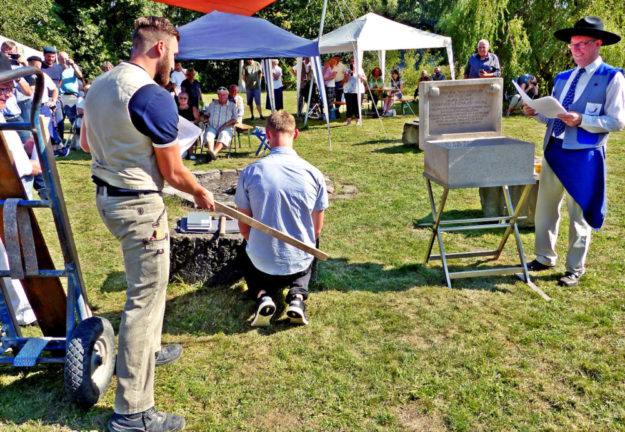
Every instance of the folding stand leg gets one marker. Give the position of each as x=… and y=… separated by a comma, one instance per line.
x=437, y=215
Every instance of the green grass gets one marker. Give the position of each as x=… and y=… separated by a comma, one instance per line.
x=389, y=346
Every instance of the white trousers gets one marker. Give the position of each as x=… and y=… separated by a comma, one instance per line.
x=550, y=196
x=23, y=312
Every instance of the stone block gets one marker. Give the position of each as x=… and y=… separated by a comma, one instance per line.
x=410, y=136
x=479, y=162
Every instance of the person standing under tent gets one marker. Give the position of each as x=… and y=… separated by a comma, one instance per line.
x=353, y=84
x=276, y=75
x=252, y=76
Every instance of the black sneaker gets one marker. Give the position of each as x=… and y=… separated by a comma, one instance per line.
x=538, y=266
x=570, y=279
x=168, y=354
x=62, y=152
x=264, y=312
x=297, y=312
x=149, y=420
x=262, y=117
x=210, y=155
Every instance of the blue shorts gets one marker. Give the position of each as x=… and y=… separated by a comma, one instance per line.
x=253, y=95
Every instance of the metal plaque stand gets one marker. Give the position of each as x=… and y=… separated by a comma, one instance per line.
x=508, y=221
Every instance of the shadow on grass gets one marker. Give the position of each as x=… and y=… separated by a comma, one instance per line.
x=38, y=396
x=219, y=310
x=115, y=282
x=378, y=141
x=399, y=149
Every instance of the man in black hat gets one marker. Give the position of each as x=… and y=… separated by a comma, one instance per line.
x=574, y=147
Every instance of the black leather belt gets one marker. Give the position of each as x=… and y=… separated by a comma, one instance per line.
x=118, y=192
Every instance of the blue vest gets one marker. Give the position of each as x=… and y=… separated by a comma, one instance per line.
x=576, y=138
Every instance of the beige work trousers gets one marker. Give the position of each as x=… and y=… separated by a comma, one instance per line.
x=140, y=225
x=550, y=196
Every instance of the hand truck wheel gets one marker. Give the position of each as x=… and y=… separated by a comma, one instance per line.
x=90, y=361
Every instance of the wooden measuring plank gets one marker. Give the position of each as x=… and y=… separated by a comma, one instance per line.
x=46, y=295
x=270, y=231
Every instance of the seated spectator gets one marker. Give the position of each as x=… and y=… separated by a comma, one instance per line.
x=529, y=84
x=187, y=111
x=233, y=96
x=276, y=74
x=222, y=116
x=283, y=191
x=424, y=77
x=376, y=82
x=397, y=86
x=190, y=113
x=438, y=76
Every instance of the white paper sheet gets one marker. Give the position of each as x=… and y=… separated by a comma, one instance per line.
x=548, y=106
x=187, y=134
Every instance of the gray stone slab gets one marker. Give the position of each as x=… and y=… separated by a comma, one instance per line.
x=479, y=162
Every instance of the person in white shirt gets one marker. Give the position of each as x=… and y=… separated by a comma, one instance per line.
x=178, y=76
x=276, y=74
x=26, y=169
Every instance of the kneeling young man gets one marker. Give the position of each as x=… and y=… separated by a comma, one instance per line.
x=283, y=191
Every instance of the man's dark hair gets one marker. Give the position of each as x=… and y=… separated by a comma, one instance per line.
x=151, y=29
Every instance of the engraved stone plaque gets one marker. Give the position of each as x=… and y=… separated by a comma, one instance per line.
x=460, y=132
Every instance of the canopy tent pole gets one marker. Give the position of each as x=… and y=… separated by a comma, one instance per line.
x=450, y=59
x=298, y=75
x=267, y=69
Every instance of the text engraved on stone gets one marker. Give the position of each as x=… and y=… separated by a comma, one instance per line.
x=459, y=109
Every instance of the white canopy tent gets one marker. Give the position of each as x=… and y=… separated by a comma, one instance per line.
x=23, y=49
x=373, y=32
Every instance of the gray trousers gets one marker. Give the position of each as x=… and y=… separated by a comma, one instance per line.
x=140, y=225
x=550, y=196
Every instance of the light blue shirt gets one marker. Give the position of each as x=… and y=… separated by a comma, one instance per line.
x=69, y=81
x=282, y=190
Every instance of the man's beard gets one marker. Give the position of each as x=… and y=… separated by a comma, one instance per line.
x=162, y=72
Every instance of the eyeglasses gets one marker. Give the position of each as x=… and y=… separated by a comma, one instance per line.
x=6, y=90
x=222, y=88
x=581, y=44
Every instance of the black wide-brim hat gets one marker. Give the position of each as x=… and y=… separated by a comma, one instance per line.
x=588, y=26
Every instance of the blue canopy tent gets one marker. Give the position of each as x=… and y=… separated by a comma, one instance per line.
x=223, y=36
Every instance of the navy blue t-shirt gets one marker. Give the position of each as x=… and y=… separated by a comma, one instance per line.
x=55, y=72
x=154, y=113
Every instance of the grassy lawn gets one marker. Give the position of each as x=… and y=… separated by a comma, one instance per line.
x=389, y=347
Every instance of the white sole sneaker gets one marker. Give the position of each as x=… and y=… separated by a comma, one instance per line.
x=296, y=315
x=264, y=313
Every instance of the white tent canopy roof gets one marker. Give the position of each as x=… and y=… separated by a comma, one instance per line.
x=373, y=32
x=24, y=49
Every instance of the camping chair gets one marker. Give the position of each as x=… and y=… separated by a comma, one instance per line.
x=406, y=103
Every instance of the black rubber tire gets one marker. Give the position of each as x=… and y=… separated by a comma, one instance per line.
x=90, y=361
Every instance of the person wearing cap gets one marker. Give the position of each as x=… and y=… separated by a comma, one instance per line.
x=55, y=71
x=593, y=95
x=221, y=117
x=48, y=97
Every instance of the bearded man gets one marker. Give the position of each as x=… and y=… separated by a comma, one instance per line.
x=131, y=127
